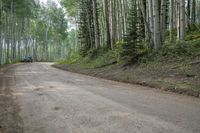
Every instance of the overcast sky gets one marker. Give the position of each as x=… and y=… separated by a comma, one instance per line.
x=56, y=1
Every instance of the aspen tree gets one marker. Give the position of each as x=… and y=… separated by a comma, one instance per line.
x=156, y=23
x=182, y=19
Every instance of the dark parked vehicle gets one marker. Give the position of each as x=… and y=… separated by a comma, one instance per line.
x=27, y=59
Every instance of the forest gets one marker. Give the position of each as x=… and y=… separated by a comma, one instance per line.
x=154, y=43
x=30, y=29
x=133, y=28
x=130, y=28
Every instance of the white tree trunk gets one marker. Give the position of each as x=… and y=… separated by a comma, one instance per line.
x=178, y=19
x=157, y=31
x=1, y=42
x=163, y=18
x=182, y=19
x=171, y=21
x=151, y=17
x=46, y=43
x=96, y=24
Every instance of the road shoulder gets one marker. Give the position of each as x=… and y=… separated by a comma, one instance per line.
x=10, y=121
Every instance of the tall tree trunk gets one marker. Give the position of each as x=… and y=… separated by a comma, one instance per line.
x=182, y=19
x=108, y=36
x=14, y=36
x=148, y=32
x=46, y=43
x=151, y=21
x=163, y=19
x=1, y=42
x=192, y=12
x=157, y=31
x=90, y=42
x=188, y=13
x=178, y=18
x=113, y=22
x=96, y=24
x=7, y=40
x=26, y=39
x=122, y=17
x=125, y=3
x=171, y=21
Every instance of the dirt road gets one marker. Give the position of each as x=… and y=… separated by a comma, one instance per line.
x=37, y=98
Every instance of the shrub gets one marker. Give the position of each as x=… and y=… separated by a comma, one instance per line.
x=70, y=59
x=180, y=48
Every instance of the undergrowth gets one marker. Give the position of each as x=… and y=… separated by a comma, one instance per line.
x=182, y=51
x=172, y=52
x=175, y=67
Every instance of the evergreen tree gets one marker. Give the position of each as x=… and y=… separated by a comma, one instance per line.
x=132, y=43
x=86, y=27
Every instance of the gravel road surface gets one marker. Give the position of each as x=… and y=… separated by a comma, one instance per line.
x=44, y=99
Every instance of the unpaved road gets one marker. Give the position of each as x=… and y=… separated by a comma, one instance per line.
x=37, y=98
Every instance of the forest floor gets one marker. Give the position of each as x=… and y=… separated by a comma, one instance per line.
x=180, y=74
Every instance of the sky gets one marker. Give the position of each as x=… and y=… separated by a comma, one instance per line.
x=56, y=1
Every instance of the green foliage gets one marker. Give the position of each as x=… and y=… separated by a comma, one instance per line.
x=130, y=39
x=176, y=51
x=104, y=59
x=70, y=59
x=180, y=48
x=133, y=47
x=51, y=19
x=94, y=59
x=71, y=6
x=94, y=53
x=193, y=35
x=187, y=71
x=118, y=49
x=85, y=50
x=86, y=28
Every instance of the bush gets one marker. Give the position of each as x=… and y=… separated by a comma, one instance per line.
x=105, y=59
x=180, y=48
x=118, y=49
x=173, y=51
x=70, y=59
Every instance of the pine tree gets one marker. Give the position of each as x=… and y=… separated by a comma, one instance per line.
x=85, y=35
x=133, y=46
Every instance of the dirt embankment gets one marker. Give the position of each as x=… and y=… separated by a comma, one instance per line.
x=10, y=121
x=168, y=77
